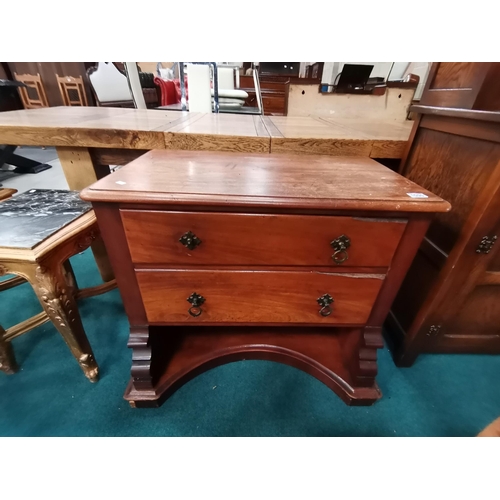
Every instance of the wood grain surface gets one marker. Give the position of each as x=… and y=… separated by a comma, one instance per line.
x=257, y=296
x=255, y=239
x=338, y=137
x=88, y=127
x=210, y=178
x=448, y=301
x=95, y=127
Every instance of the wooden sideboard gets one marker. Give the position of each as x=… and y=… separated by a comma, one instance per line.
x=223, y=256
x=449, y=301
x=274, y=94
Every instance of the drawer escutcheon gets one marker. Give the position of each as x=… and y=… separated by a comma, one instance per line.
x=196, y=302
x=324, y=301
x=190, y=240
x=340, y=245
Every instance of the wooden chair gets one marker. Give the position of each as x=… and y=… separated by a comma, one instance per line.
x=33, y=95
x=42, y=261
x=72, y=90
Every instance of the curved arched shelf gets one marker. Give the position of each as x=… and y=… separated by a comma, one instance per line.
x=189, y=352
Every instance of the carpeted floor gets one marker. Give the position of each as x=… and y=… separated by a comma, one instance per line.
x=441, y=395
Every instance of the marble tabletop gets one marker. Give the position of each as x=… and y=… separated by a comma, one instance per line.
x=31, y=217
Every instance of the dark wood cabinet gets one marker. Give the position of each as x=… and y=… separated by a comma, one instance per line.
x=274, y=94
x=449, y=301
x=465, y=85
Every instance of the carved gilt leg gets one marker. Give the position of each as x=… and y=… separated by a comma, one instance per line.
x=58, y=300
x=7, y=360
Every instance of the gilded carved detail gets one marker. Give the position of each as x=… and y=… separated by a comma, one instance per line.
x=55, y=297
x=89, y=366
x=87, y=240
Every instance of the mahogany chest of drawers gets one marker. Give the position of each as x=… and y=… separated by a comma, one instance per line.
x=224, y=256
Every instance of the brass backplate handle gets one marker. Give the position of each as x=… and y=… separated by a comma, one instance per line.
x=324, y=301
x=196, y=302
x=190, y=240
x=486, y=244
x=340, y=245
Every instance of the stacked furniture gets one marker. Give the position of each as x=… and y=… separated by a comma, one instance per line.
x=449, y=299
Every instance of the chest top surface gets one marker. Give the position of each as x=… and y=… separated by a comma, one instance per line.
x=263, y=180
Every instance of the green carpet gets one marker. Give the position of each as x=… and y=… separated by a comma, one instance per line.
x=441, y=395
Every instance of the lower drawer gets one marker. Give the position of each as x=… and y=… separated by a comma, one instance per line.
x=257, y=296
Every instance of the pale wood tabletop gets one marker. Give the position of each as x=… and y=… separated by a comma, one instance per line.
x=88, y=139
x=338, y=137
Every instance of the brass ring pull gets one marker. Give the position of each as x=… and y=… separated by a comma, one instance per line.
x=340, y=245
x=325, y=311
x=196, y=301
x=195, y=311
x=340, y=256
x=324, y=301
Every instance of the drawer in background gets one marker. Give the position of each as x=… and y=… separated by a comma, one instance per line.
x=256, y=239
x=257, y=296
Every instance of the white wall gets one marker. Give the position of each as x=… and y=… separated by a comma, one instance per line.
x=392, y=107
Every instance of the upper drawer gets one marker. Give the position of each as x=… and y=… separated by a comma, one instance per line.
x=255, y=239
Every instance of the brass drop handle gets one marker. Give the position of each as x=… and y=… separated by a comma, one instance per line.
x=324, y=301
x=486, y=244
x=190, y=240
x=340, y=245
x=196, y=302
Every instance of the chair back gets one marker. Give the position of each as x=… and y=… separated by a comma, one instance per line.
x=72, y=90
x=108, y=84
x=33, y=95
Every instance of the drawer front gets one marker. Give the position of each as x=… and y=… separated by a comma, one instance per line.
x=255, y=239
x=257, y=296
x=274, y=104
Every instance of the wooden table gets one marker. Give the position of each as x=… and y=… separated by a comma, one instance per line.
x=337, y=137
x=89, y=139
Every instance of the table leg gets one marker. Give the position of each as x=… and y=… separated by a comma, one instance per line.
x=81, y=171
x=79, y=168
x=57, y=298
x=102, y=260
x=7, y=360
